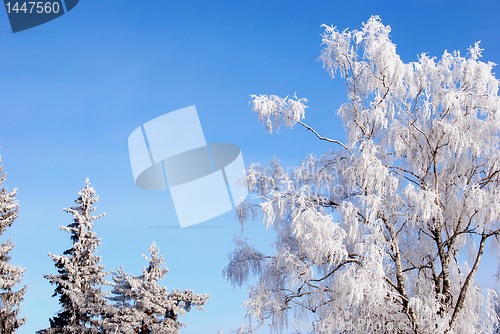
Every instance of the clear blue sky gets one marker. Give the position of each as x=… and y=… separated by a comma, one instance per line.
x=72, y=90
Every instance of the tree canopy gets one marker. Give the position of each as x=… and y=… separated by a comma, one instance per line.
x=385, y=232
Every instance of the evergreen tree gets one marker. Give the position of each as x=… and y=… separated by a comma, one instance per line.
x=10, y=275
x=144, y=306
x=80, y=273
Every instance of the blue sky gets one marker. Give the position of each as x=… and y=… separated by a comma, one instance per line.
x=72, y=90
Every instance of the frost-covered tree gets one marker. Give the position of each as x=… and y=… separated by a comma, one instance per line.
x=386, y=233
x=10, y=275
x=144, y=306
x=80, y=274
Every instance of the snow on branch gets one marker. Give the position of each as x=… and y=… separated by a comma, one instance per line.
x=275, y=111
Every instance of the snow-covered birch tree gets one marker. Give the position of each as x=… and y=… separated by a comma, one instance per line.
x=10, y=275
x=80, y=274
x=386, y=232
x=144, y=306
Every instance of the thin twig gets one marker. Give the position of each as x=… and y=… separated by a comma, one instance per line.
x=323, y=138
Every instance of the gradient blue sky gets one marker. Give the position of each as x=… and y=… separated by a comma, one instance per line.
x=72, y=90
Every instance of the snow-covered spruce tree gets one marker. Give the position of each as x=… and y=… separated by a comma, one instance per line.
x=10, y=275
x=385, y=234
x=80, y=274
x=143, y=306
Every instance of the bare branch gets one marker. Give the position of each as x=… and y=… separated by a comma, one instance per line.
x=324, y=138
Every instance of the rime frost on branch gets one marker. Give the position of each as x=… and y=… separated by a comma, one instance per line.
x=275, y=111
